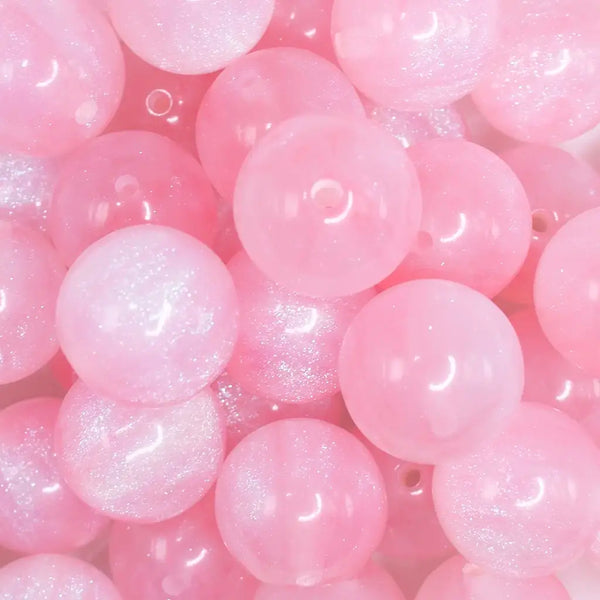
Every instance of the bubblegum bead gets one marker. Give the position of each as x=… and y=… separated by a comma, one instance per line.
x=148, y=315
x=476, y=223
x=301, y=502
x=63, y=75
x=567, y=291
x=190, y=37
x=129, y=178
x=430, y=369
x=327, y=206
x=30, y=278
x=414, y=55
x=257, y=92
x=525, y=503
x=136, y=463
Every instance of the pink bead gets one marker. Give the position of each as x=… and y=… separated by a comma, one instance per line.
x=476, y=222
x=288, y=345
x=430, y=369
x=54, y=577
x=136, y=463
x=190, y=37
x=567, y=291
x=559, y=187
x=147, y=314
x=543, y=84
x=257, y=92
x=373, y=583
x=183, y=558
x=414, y=55
x=63, y=80
x=525, y=504
x=38, y=513
x=327, y=206
x=457, y=580
x=30, y=277
x=129, y=178
x=301, y=502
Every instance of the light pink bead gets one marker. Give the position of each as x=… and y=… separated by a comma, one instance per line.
x=190, y=37
x=430, y=369
x=567, y=291
x=457, y=580
x=147, y=314
x=257, y=92
x=136, y=463
x=373, y=583
x=327, y=206
x=38, y=512
x=476, y=222
x=54, y=577
x=526, y=503
x=559, y=186
x=30, y=277
x=129, y=178
x=414, y=54
x=183, y=558
x=301, y=502
x=62, y=75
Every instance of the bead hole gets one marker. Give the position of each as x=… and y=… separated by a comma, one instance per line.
x=412, y=478
x=159, y=102
x=539, y=221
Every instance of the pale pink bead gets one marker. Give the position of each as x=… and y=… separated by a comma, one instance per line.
x=136, y=463
x=30, y=278
x=190, y=37
x=327, y=206
x=567, y=291
x=183, y=558
x=586, y=147
x=524, y=504
x=62, y=75
x=301, y=502
x=38, y=512
x=129, y=178
x=430, y=369
x=257, y=92
x=288, y=344
x=559, y=186
x=476, y=222
x=414, y=55
x=147, y=314
x=54, y=577
x=455, y=579
x=373, y=583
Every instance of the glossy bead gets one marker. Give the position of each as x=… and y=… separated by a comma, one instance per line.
x=182, y=558
x=301, y=502
x=430, y=369
x=525, y=503
x=257, y=92
x=476, y=222
x=414, y=55
x=327, y=206
x=30, y=278
x=190, y=37
x=567, y=291
x=129, y=178
x=135, y=463
x=63, y=80
x=147, y=314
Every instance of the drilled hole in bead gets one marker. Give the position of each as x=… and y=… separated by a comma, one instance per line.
x=424, y=240
x=412, y=478
x=159, y=102
x=539, y=221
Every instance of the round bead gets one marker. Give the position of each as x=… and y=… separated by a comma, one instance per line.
x=327, y=206
x=136, y=463
x=257, y=92
x=147, y=314
x=430, y=369
x=301, y=502
x=524, y=504
x=62, y=81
